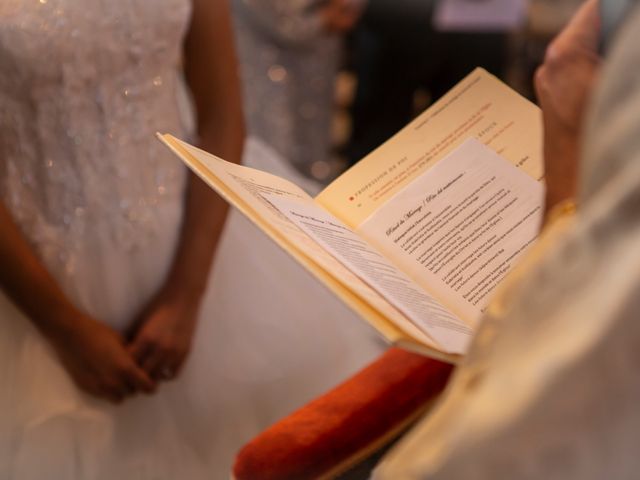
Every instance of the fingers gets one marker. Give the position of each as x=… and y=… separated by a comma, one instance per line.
x=162, y=344
x=140, y=380
x=162, y=368
x=112, y=386
x=542, y=88
x=149, y=357
x=140, y=349
x=583, y=30
x=101, y=365
x=165, y=366
x=154, y=362
x=563, y=86
x=129, y=383
x=125, y=381
x=160, y=362
x=564, y=82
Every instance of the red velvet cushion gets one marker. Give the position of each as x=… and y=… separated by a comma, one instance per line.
x=348, y=420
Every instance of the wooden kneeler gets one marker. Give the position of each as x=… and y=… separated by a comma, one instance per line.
x=336, y=431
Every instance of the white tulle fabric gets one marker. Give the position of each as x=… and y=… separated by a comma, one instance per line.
x=83, y=88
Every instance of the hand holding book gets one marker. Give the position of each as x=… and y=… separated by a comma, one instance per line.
x=417, y=235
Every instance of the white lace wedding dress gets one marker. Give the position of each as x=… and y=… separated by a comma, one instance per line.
x=83, y=88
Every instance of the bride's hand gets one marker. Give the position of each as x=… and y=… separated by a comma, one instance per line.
x=97, y=359
x=94, y=355
x=163, y=337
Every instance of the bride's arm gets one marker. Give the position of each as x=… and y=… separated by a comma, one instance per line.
x=167, y=324
x=211, y=70
x=91, y=352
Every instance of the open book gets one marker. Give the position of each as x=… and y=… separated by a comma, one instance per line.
x=417, y=235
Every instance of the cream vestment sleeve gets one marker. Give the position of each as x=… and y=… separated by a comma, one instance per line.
x=551, y=387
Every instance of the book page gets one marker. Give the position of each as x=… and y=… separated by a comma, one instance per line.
x=480, y=106
x=460, y=227
x=450, y=332
x=247, y=189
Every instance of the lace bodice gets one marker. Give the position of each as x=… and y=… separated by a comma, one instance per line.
x=83, y=88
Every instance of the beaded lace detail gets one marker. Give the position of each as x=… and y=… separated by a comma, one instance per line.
x=84, y=85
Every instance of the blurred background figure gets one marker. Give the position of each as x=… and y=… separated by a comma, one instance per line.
x=326, y=82
x=403, y=61
x=403, y=55
x=290, y=52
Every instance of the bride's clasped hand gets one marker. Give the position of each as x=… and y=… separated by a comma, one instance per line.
x=163, y=335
